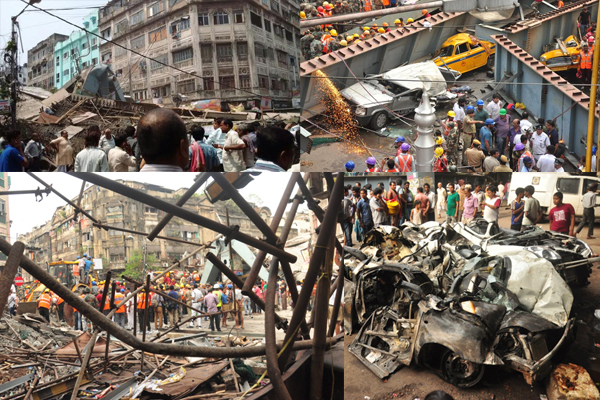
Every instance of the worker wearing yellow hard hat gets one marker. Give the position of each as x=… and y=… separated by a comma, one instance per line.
x=356, y=36
x=333, y=33
x=365, y=28
x=343, y=43
x=410, y=20
x=381, y=30
x=302, y=14
x=439, y=141
x=439, y=152
x=398, y=22
x=349, y=38
x=451, y=114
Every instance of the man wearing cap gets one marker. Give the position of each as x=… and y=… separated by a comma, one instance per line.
x=475, y=155
x=485, y=136
x=372, y=165
x=503, y=167
x=521, y=152
x=527, y=164
x=404, y=159
x=502, y=123
x=493, y=107
x=546, y=162
x=585, y=63
x=539, y=142
x=558, y=165
x=491, y=161
x=480, y=115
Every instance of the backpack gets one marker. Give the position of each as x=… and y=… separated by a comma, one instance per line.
x=154, y=300
x=170, y=305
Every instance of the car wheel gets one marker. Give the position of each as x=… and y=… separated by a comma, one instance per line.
x=459, y=372
x=491, y=61
x=379, y=120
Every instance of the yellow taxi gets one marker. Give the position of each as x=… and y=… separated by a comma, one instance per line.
x=564, y=57
x=464, y=53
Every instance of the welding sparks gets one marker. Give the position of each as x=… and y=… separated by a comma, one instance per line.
x=339, y=113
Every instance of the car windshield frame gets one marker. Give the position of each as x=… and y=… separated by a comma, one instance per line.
x=441, y=52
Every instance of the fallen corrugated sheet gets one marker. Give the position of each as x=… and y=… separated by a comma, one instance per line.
x=69, y=350
x=193, y=378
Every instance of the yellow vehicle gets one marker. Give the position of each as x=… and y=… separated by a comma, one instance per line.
x=464, y=53
x=564, y=57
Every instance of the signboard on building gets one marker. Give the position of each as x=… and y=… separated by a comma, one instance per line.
x=4, y=106
x=265, y=103
x=97, y=263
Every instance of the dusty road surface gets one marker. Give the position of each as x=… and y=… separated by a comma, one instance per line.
x=498, y=383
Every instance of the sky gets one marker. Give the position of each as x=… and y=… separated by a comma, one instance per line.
x=25, y=212
x=36, y=25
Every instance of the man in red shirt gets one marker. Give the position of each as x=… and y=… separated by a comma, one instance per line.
x=562, y=217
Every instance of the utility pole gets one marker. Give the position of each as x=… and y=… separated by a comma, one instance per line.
x=14, y=80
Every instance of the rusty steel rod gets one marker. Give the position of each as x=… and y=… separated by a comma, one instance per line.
x=260, y=257
x=145, y=321
x=86, y=358
x=328, y=228
x=105, y=323
x=200, y=180
x=320, y=325
x=281, y=391
x=238, y=199
x=9, y=272
x=104, y=291
x=112, y=306
x=56, y=192
x=337, y=301
x=190, y=216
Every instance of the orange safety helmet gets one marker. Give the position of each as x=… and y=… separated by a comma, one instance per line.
x=424, y=12
x=320, y=9
x=385, y=24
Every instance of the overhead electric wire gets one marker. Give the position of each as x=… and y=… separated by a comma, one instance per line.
x=221, y=85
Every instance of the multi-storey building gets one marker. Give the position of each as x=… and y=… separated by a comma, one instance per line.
x=63, y=238
x=243, y=51
x=80, y=51
x=40, y=60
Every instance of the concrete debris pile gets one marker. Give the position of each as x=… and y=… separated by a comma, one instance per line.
x=457, y=299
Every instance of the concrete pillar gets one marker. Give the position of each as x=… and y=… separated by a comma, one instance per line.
x=424, y=145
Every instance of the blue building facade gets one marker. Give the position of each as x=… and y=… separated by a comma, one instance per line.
x=79, y=52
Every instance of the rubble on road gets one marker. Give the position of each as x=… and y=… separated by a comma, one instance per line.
x=456, y=298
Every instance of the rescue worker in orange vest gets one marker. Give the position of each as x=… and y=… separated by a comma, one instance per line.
x=404, y=160
x=441, y=162
x=585, y=64
x=60, y=306
x=106, y=309
x=43, y=304
x=76, y=271
x=368, y=5
x=120, y=316
x=372, y=165
x=141, y=306
x=446, y=125
x=590, y=40
x=326, y=41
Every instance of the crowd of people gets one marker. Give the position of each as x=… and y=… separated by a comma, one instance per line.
x=160, y=142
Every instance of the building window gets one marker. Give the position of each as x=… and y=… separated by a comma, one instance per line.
x=157, y=35
x=121, y=26
x=94, y=41
x=238, y=16
x=106, y=56
x=105, y=34
x=245, y=82
x=65, y=55
x=289, y=36
x=58, y=78
x=181, y=25
x=188, y=86
x=138, y=42
x=155, y=9
x=227, y=82
x=85, y=64
x=66, y=72
x=282, y=58
x=260, y=50
x=206, y=52
x=224, y=52
x=120, y=51
x=242, y=51
x=84, y=45
x=57, y=61
x=267, y=25
x=94, y=61
x=209, y=84
x=263, y=81
x=183, y=55
x=278, y=31
x=137, y=18
x=203, y=19
x=140, y=95
x=163, y=58
x=221, y=18
x=256, y=20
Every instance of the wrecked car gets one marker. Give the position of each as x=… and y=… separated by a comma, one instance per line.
x=398, y=90
x=571, y=257
x=428, y=294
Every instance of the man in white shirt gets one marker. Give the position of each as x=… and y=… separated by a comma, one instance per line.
x=107, y=141
x=162, y=138
x=459, y=112
x=118, y=158
x=64, y=152
x=494, y=106
x=546, y=162
x=558, y=165
x=233, y=148
x=441, y=203
x=589, y=202
x=217, y=137
x=91, y=158
x=539, y=142
x=524, y=123
x=33, y=151
x=378, y=207
x=197, y=297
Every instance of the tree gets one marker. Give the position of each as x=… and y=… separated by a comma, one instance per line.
x=135, y=265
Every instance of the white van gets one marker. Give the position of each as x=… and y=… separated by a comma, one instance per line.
x=573, y=187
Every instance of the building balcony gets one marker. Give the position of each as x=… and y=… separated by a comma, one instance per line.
x=183, y=64
x=207, y=62
x=225, y=59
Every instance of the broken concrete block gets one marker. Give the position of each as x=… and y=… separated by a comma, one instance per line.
x=571, y=382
